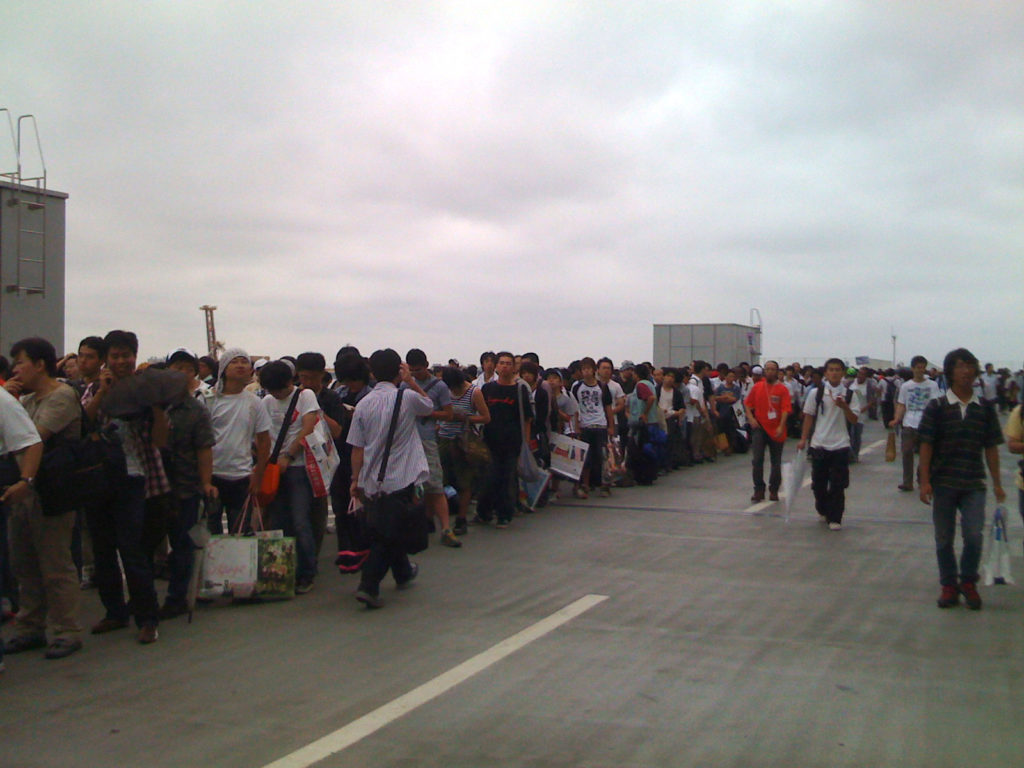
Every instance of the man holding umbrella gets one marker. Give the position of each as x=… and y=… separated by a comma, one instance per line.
x=117, y=527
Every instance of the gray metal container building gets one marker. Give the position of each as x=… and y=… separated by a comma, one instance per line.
x=679, y=345
x=31, y=264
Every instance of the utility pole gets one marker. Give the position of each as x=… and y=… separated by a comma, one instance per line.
x=892, y=331
x=212, y=345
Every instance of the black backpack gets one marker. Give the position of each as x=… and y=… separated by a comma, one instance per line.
x=76, y=474
x=890, y=391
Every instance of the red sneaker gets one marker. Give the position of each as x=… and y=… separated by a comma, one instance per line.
x=949, y=597
x=970, y=593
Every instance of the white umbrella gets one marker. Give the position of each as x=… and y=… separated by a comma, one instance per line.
x=793, y=479
x=199, y=535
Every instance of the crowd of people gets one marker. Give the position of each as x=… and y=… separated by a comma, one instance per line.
x=453, y=442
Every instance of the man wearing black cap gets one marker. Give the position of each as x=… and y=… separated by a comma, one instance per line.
x=185, y=361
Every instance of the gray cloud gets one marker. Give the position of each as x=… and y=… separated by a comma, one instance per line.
x=558, y=177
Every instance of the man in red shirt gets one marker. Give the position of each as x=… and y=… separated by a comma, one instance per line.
x=767, y=406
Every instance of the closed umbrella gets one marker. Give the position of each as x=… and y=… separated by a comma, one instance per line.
x=793, y=479
x=136, y=394
x=199, y=535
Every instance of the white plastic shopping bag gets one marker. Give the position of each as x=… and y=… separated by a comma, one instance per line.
x=322, y=458
x=997, y=566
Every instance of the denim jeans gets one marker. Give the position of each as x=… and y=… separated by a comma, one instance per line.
x=971, y=505
x=116, y=529
x=292, y=512
x=758, y=442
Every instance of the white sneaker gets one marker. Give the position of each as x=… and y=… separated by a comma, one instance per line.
x=835, y=526
x=822, y=518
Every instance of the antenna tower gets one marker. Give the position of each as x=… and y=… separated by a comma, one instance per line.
x=213, y=346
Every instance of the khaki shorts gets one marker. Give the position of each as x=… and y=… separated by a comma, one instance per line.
x=435, y=483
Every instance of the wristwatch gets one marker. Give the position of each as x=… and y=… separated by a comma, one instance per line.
x=29, y=481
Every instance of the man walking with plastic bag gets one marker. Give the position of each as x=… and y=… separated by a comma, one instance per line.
x=956, y=431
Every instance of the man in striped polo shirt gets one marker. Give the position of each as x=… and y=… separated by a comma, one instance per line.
x=956, y=430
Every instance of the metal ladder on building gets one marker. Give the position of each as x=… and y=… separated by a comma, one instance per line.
x=28, y=204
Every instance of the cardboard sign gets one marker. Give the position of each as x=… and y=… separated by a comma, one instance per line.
x=568, y=456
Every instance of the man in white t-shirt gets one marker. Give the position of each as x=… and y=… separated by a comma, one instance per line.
x=597, y=425
x=990, y=385
x=19, y=439
x=913, y=397
x=696, y=412
x=605, y=369
x=240, y=421
x=488, y=361
x=826, y=414
x=292, y=508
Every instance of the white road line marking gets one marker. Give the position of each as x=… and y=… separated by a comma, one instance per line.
x=359, y=729
x=871, y=446
x=807, y=480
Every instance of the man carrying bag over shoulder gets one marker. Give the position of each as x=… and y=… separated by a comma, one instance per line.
x=388, y=463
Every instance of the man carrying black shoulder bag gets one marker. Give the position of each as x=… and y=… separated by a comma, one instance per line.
x=388, y=463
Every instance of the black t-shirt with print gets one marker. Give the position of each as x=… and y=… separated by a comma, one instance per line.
x=504, y=428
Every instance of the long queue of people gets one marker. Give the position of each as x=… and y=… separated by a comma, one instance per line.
x=455, y=444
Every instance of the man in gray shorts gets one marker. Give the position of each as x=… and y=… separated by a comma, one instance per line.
x=433, y=489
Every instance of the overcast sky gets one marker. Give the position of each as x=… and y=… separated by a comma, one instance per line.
x=550, y=176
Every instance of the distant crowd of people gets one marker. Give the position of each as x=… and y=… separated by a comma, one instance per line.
x=459, y=442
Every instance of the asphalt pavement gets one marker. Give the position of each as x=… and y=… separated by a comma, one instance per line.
x=676, y=625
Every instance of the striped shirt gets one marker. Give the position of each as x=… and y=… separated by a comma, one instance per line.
x=462, y=404
x=960, y=434
x=371, y=420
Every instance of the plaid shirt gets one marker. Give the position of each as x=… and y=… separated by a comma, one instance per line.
x=157, y=483
x=959, y=436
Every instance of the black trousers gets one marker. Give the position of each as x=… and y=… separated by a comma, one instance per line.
x=502, y=487
x=596, y=438
x=830, y=477
x=384, y=556
x=760, y=441
x=387, y=551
